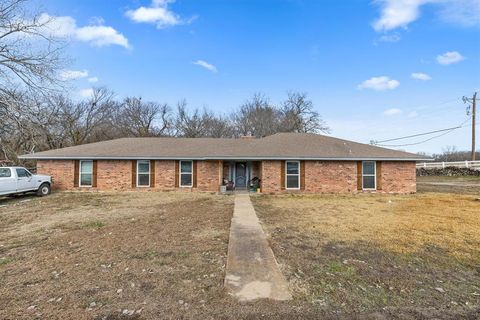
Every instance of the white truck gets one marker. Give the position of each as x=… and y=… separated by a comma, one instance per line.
x=15, y=180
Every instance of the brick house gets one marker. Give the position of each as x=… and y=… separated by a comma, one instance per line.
x=284, y=162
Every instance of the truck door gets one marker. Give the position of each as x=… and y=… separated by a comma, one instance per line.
x=8, y=183
x=24, y=180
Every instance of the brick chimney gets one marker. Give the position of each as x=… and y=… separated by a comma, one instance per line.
x=248, y=136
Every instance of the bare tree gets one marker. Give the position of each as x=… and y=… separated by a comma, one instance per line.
x=188, y=125
x=203, y=123
x=218, y=126
x=143, y=119
x=30, y=123
x=82, y=119
x=29, y=54
x=451, y=153
x=257, y=117
x=30, y=58
x=299, y=115
x=35, y=121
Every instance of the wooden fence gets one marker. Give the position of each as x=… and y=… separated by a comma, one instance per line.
x=458, y=164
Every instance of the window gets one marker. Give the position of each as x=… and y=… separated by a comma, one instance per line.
x=5, y=173
x=143, y=173
x=292, y=175
x=86, y=173
x=22, y=173
x=186, y=173
x=368, y=175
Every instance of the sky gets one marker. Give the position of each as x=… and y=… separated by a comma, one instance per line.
x=375, y=70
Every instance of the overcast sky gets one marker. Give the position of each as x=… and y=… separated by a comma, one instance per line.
x=374, y=69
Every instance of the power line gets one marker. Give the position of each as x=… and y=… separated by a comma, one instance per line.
x=444, y=132
x=441, y=131
x=415, y=143
x=416, y=135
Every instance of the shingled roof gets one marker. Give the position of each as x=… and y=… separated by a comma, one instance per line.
x=277, y=146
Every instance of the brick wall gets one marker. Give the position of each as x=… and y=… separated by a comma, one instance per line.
x=114, y=174
x=164, y=175
x=117, y=174
x=330, y=176
x=208, y=175
x=320, y=176
x=399, y=177
x=271, y=175
x=60, y=170
x=341, y=177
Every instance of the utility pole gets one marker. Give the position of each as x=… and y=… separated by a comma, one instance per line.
x=474, y=111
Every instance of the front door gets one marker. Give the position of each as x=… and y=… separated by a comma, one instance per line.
x=240, y=175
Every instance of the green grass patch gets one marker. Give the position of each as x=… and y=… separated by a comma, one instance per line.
x=151, y=254
x=338, y=267
x=97, y=224
x=5, y=260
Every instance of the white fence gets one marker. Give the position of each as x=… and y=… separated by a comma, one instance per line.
x=459, y=164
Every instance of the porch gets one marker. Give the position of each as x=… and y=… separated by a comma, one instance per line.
x=241, y=175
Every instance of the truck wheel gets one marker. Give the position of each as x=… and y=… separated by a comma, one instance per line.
x=44, y=190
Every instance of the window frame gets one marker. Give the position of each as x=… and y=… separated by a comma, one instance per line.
x=180, y=174
x=7, y=170
x=28, y=174
x=80, y=174
x=374, y=175
x=144, y=173
x=292, y=174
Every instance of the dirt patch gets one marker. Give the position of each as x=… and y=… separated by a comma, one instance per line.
x=412, y=256
x=460, y=179
x=449, y=184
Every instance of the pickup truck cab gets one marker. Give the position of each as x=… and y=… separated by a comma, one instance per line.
x=14, y=180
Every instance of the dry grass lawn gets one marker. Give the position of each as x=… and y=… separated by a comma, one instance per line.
x=145, y=255
x=152, y=255
x=406, y=256
x=108, y=256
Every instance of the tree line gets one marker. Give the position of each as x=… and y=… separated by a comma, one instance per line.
x=36, y=122
x=451, y=154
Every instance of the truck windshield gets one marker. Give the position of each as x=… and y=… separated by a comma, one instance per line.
x=5, y=173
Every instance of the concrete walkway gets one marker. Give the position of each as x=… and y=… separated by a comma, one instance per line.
x=252, y=271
